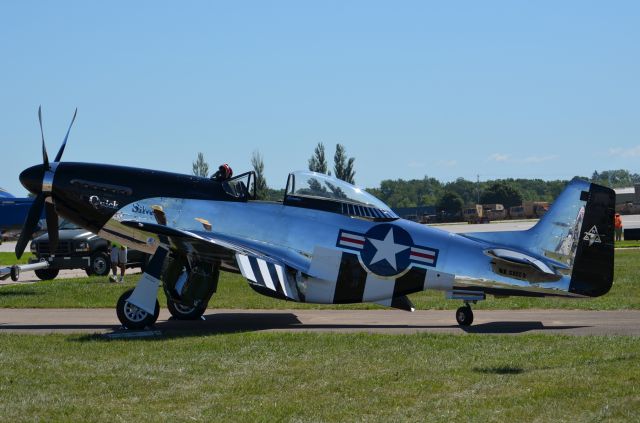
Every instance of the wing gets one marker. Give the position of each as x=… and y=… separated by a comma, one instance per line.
x=269, y=268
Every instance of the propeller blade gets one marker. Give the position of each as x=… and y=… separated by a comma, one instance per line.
x=52, y=226
x=45, y=157
x=30, y=224
x=64, y=144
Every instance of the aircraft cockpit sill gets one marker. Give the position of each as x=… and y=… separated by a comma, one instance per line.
x=323, y=192
x=339, y=207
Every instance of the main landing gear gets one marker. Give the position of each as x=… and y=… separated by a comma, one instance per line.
x=187, y=284
x=464, y=315
x=183, y=312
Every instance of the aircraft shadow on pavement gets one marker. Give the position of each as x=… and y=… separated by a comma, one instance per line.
x=52, y=328
x=515, y=327
x=223, y=323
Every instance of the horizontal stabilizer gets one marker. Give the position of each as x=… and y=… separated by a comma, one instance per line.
x=520, y=266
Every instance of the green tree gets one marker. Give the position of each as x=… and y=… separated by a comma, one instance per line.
x=450, y=202
x=343, y=167
x=260, y=183
x=615, y=178
x=200, y=166
x=318, y=162
x=466, y=189
x=502, y=193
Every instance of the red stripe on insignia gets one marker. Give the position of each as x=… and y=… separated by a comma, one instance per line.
x=354, y=241
x=427, y=256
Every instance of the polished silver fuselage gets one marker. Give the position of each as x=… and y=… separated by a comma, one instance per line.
x=300, y=231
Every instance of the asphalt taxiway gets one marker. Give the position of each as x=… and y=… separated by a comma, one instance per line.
x=216, y=321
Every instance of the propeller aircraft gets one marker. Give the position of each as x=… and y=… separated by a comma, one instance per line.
x=325, y=242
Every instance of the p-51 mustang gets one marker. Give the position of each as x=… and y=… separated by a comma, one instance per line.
x=326, y=242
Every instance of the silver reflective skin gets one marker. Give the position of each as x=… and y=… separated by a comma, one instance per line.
x=466, y=260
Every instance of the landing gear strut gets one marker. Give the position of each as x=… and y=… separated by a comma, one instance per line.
x=464, y=315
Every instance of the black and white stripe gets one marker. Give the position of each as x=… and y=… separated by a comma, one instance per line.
x=267, y=274
x=339, y=277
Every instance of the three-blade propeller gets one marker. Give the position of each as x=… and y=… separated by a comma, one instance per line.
x=43, y=199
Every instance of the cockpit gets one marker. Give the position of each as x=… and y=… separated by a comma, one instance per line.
x=241, y=187
x=323, y=192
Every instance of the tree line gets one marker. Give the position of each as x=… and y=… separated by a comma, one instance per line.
x=429, y=191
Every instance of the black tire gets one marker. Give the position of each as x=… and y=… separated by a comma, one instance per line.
x=15, y=273
x=100, y=265
x=131, y=316
x=464, y=316
x=47, y=274
x=182, y=312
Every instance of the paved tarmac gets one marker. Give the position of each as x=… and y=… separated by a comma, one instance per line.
x=506, y=322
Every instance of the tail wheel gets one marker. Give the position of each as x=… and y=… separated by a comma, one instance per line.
x=183, y=312
x=464, y=316
x=133, y=317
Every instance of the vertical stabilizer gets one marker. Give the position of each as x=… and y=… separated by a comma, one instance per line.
x=575, y=237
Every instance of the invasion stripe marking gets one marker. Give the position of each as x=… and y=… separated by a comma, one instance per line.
x=256, y=271
x=274, y=277
x=245, y=267
x=378, y=290
x=283, y=282
x=266, y=275
x=351, y=280
x=410, y=282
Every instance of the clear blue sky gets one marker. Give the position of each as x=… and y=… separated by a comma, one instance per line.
x=540, y=89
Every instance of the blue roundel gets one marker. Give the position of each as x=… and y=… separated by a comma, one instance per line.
x=386, y=250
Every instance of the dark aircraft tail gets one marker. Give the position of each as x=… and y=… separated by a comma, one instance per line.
x=576, y=236
x=592, y=273
x=582, y=222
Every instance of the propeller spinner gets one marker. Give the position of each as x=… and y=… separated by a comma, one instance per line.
x=39, y=180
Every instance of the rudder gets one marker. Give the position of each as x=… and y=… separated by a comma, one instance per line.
x=593, y=265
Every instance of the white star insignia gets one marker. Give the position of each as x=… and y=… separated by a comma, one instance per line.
x=387, y=249
x=592, y=236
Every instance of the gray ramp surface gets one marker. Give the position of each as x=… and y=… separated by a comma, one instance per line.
x=509, y=322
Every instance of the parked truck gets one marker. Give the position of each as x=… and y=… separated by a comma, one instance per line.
x=475, y=214
x=535, y=209
x=494, y=211
x=77, y=249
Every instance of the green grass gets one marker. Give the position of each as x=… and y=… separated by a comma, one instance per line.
x=627, y=244
x=234, y=292
x=249, y=377
x=8, y=259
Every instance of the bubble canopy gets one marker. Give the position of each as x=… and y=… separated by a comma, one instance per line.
x=318, y=186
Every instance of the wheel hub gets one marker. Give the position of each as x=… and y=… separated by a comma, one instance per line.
x=183, y=308
x=134, y=313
